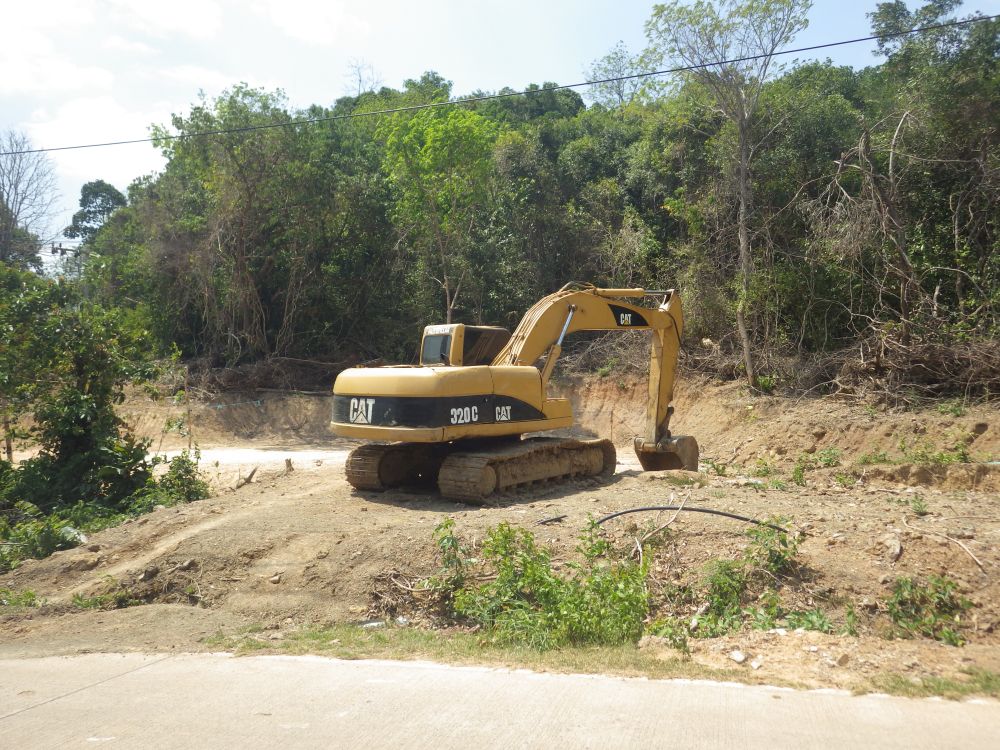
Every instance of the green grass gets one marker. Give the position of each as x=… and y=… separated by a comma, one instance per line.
x=462, y=647
x=875, y=457
x=975, y=682
x=15, y=599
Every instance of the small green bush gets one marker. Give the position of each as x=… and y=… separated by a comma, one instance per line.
x=601, y=601
x=812, y=619
x=673, y=630
x=828, y=457
x=933, y=610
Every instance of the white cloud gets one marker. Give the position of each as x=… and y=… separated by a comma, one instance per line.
x=200, y=19
x=321, y=22
x=212, y=82
x=116, y=43
x=33, y=64
x=48, y=16
x=96, y=120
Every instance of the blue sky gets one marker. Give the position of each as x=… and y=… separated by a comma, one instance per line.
x=78, y=71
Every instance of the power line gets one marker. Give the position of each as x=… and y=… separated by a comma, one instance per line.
x=492, y=97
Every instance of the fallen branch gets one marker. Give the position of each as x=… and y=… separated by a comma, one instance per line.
x=246, y=480
x=950, y=539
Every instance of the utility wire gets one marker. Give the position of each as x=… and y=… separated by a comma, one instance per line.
x=492, y=97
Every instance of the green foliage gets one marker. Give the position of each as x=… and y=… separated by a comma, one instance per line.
x=762, y=468
x=813, y=619
x=115, y=596
x=952, y=408
x=599, y=602
x=771, y=550
x=933, y=609
x=925, y=452
x=919, y=505
x=28, y=532
x=673, y=630
x=850, y=622
x=874, y=457
x=802, y=463
x=766, y=383
x=98, y=201
x=828, y=457
x=730, y=586
x=18, y=599
x=715, y=466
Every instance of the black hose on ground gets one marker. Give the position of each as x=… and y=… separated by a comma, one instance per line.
x=692, y=510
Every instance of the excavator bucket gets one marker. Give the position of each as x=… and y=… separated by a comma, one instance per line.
x=679, y=452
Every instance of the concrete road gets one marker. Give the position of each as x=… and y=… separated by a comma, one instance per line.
x=220, y=701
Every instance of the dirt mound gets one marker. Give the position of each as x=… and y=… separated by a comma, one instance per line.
x=742, y=432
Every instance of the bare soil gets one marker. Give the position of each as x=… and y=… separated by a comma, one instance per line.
x=297, y=546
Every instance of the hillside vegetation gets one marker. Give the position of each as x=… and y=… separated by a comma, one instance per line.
x=865, y=238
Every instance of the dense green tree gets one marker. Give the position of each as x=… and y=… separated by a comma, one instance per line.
x=439, y=162
x=98, y=200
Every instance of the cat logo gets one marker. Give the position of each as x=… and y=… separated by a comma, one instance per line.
x=624, y=319
x=361, y=410
x=503, y=414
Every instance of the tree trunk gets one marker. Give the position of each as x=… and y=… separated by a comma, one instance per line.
x=746, y=260
x=8, y=439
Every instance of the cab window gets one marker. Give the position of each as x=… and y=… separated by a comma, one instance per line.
x=436, y=349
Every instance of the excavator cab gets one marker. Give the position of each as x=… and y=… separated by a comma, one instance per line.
x=460, y=345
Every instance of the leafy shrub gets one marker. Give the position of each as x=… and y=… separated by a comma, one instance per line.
x=933, y=609
x=527, y=602
x=925, y=452
x=770, y=549
x=182, y=483
x=952, y=408
x=828, y=457
x=26, y=531
x=813, y=619
x=729, y=584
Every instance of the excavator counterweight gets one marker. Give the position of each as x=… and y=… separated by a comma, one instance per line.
x=457, y=419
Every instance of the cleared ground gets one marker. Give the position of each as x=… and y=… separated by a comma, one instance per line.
x=297, y=547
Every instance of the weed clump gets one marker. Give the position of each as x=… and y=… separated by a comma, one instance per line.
x=18, y=599
x=933, y=610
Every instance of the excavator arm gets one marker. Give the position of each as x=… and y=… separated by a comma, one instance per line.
x=588, y=308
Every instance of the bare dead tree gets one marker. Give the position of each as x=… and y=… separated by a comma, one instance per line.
x=27, y=195
x=361, y=76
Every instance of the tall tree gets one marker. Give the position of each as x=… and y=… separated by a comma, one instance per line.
x=27, y=194
x=703, y=36
x=98, y=200
x=440, y=162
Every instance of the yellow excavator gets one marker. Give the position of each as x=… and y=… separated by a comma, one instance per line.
x=458, y=419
